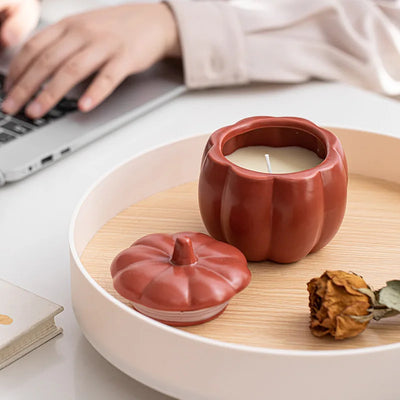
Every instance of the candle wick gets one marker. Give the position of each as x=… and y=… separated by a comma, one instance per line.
x=269, y=169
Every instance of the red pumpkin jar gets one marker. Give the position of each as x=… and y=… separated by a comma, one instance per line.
x=278, y=217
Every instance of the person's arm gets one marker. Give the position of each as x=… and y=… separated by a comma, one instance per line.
x=356, y=41
x=234, y=42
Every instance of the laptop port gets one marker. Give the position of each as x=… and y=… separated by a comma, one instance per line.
x=47, y=159
x=65, y=151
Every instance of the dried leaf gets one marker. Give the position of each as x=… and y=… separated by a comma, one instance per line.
x=362, y=318
x=370, y=294
x=390, y=295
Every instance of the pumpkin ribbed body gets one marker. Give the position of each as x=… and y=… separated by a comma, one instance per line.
x=278, y=217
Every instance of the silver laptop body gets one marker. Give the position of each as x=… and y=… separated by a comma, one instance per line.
x=27, y=146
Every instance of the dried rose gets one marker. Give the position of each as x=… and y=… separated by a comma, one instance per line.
x=334, y=299
x=342, y=304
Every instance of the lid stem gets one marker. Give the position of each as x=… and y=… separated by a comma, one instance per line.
x=183, y=252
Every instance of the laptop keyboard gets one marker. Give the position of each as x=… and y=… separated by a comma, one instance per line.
x=16, y=126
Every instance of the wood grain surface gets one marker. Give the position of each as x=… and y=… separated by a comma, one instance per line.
x=273, y=311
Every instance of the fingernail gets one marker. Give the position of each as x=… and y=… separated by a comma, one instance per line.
x=34, y=109
x=9, y=105
x=85, y=103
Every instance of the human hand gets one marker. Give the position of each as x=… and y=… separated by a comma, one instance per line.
x=114, y=42
x=17, y=19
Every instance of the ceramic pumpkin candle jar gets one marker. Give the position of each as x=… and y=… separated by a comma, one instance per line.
x=270, y=216
x=181, y=279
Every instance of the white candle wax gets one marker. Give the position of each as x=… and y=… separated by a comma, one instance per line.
x=283, y=159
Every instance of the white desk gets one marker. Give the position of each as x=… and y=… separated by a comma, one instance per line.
x=35, y=214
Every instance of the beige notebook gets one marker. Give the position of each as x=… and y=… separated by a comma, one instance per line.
x=26, y=322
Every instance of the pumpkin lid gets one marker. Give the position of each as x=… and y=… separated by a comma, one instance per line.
x=185, y=271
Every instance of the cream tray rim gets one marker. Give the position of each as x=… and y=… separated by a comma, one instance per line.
x=192, y=336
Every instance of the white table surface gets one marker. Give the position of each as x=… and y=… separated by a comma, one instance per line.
x=35, y=215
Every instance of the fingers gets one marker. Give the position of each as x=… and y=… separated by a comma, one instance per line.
x=107, y=79
x=42, y=68
x=31, y=50
x=21, y=19
x=79, y=67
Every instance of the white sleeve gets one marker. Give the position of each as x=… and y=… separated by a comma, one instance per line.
x=235, y=42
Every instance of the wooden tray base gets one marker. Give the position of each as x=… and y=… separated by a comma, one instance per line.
x=273, y=311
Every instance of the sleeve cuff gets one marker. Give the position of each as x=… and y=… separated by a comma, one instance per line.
x=212, y=43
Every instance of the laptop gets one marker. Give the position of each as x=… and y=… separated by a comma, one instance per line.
x=27, y=146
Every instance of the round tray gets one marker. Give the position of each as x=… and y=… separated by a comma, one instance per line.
x=262, y=341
